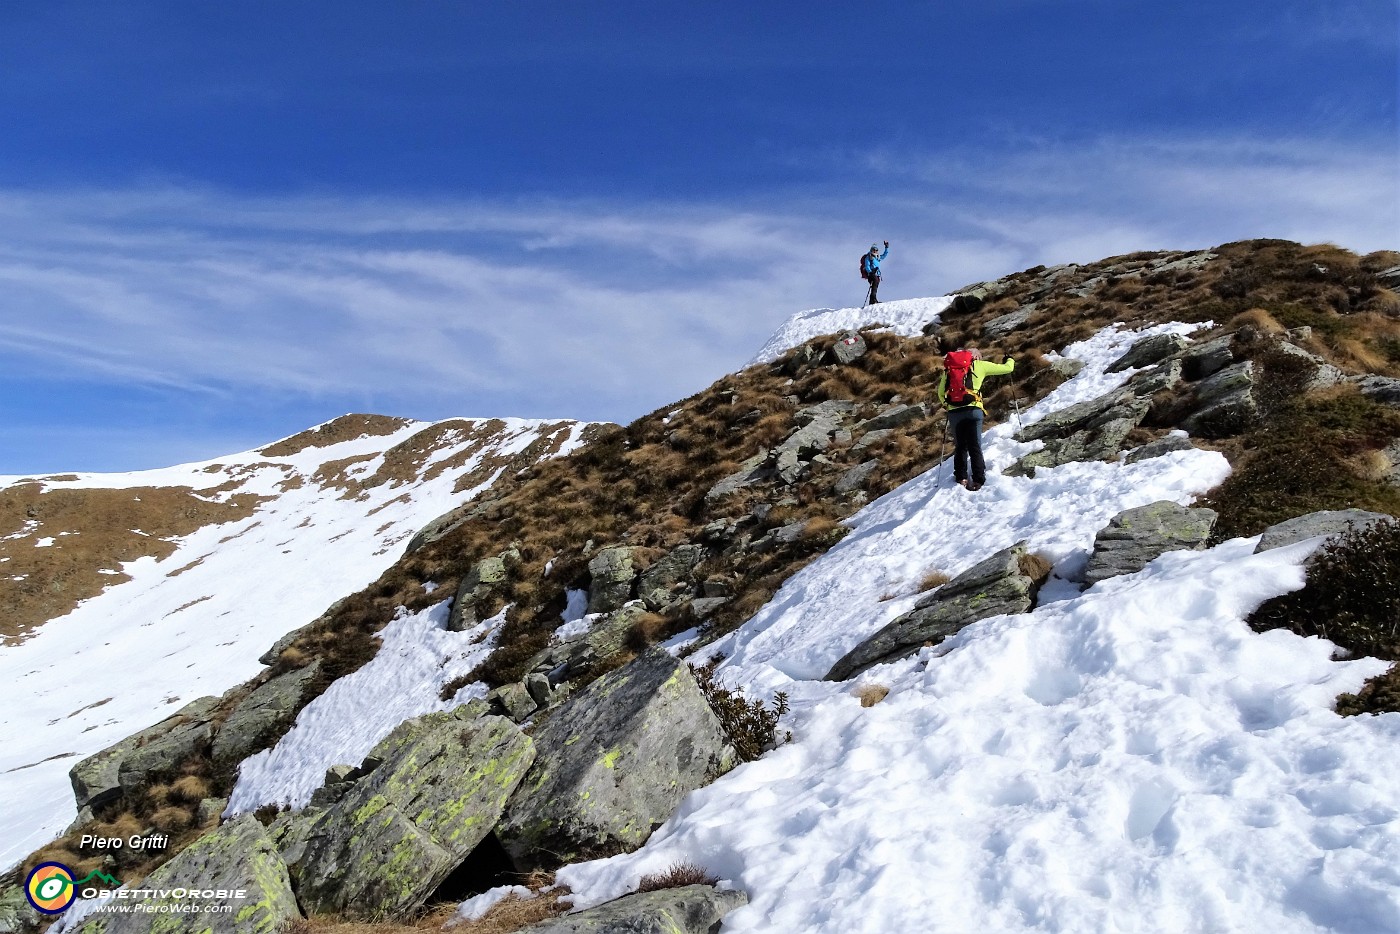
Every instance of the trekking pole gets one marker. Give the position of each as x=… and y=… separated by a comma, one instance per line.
x=1016, y=404
x=942, y=449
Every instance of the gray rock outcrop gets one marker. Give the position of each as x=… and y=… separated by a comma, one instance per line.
x=16, y=914
x=756, y=469
x=1092, y=430
x=849, y=347
x=434, y=789
x=1328, y=522
x=1383, y=389
x=992, y=587
x=689, y=909
x=1164, y=445
x=1225, y=402
x=1135, y=537
x=101, y=777
x=238, y=855
x=672, y=579
x=479, y=589
x=998, y=328
x=271, y=708
x=614, y=761
x=611, y=572
x=1152, y=349
x=1212, y=356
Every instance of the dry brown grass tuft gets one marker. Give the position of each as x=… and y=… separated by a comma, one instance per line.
x=172, y=819
x=1034, y=566
x=932, y=578
x=678, y=875
x=1257, y=318
x=191, y=789
x=871, y=694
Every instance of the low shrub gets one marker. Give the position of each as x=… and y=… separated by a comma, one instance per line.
x=1352, y=595
x=750, y=725
x=678, y=875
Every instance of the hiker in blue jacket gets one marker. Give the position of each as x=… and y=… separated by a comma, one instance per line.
x=870, y=269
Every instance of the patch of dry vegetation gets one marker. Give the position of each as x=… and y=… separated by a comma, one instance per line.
x=93, y=531
x=336, y=431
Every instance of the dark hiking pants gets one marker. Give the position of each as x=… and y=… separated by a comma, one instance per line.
x=874, y=288
x=966, y=428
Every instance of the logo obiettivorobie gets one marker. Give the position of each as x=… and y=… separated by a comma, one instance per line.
x=51, y=888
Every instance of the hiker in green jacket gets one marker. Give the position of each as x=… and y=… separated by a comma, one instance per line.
x=960, y=393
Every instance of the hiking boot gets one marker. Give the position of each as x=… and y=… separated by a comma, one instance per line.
x=962, y=483
x=973, y=486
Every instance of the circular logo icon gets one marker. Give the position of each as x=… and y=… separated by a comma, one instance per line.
x=50, y=888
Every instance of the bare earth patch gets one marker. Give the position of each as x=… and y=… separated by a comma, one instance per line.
x=345, y=428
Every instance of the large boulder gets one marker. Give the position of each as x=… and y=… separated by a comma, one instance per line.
x=849, y=347
x=479, y=588
x=1149, y=350
x=993, y=587
x=101, y=777
x=434, y=789
x=1330, y=523
x=17, y=916
x=238, y=855
x=689, y=909
x=269, y=710
x=1225, y=403
x=998, y=328
x=613, y=763
x=672, y=579
x=1135, y=537
x=1212, y=356
x=611, y=572
x=894, y=416
x=1090, y=431
x=1383, y=389
x=757, y=469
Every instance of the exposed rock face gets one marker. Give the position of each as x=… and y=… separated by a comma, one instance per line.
x=998, y=328
x=614, y=761
x=439, y=787
x=271, y=707
x=611, y=571
x=849, y=347
x=894, y=416
x=690, y=909
x=16, y=915
x=672, y=579
x=282, y=644
x=1207, y=357
x=1328, y=522
x=992, y=587
x=559, y=662
x=239, y=855
x=1381, y=389
x=1135, y=537
x=1092, y=430
x=480, y=585
x=856, y=477
x=1149, y=350
x=101, y=777
x=756, y=469
x=1164, y=445
x=1226, y=403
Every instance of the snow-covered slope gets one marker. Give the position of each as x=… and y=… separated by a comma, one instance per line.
x=1132, y=758
x=905, y=317
x=332, y=510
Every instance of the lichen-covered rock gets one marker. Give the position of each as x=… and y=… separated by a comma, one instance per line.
x=1135, y=537
x=17, y=916
x=998, y=328
x=893, y=417
x=992, y=587
x=1165, y=375
x=239, y=855
x=613, y=763
x=611, y=572
x=757, y=469
x=441, y=784
x=1090, y=431
x=1149, y=350
x=1327, y=522
x=1203, y=359
x=209, y=810
x=856, y=477
x=269, y=709
x=671, y=579
x=849, y=347
x=285, y=642
x=689, y=909
x=514, y=700
x=480, y=584
x=98, y=779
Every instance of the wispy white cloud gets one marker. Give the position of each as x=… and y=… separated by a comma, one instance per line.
x=595, y=309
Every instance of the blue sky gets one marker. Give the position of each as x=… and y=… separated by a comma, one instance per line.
x=222, y=223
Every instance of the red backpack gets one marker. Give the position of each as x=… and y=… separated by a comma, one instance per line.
x=958, y=366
